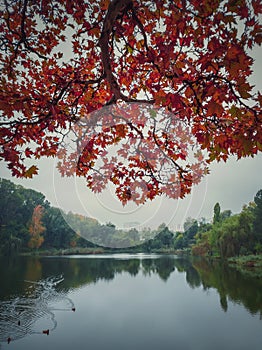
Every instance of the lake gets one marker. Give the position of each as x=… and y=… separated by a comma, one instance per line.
x=125, y=301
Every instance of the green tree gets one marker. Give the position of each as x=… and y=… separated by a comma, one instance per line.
x=257, y=223
x=190, y=230
x=179, y=242
x=216, y=217
x=246, y=237
x=58, y=233
x=16, y=209
x=133, y=234
x=225, y=214
x=165, y=237
x=228, y=237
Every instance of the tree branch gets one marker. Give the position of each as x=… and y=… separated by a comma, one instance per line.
x=116, y=8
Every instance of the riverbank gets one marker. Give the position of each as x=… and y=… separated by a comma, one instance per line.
x=244, y=261
x=249, y=264
x=100, y=250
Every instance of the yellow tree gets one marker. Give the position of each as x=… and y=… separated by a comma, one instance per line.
x=36, y=228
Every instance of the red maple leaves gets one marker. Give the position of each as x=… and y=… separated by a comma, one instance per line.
x=61, y=61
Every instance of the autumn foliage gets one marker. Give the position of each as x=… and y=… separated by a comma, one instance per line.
x=36, y=228
x=151, y=91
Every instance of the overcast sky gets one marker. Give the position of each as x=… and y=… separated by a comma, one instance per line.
x=232, y=184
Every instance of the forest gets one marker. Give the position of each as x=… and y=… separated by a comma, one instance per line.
x=29, y=224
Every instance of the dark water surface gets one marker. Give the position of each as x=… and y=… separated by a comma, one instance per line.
x=125, y=302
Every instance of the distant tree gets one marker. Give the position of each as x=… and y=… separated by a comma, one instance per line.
x=216, y=217
x=147, y=233
x=16, y=208
x=225, y=237
x=58, y=233
x=246, y=236
x=163, y=238
x=36, y=228
x=225, y=214
x=190, y=230
x=11, y=202
x=133, y=234
x=179, y=242
x=203, y=227
x=257, y=227
x=166, y=237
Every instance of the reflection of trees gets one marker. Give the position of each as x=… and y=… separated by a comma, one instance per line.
x=78, y=272
x=231, y=284
x=163, y=267
x=192, y=276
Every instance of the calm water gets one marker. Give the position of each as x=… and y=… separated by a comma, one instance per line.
x=128, y=302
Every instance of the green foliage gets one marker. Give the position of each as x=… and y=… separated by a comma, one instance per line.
x=257, y=225
x=216, y=217
x=179, y=241
x=225, y=214
x=229, y=235
x=163, y=239
x=235, y=235
x=188, y=237
x=16, y=208
x=57, y=234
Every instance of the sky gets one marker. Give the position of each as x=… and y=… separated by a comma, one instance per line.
x=231, y=184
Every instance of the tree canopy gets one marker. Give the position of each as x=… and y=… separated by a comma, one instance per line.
x=152, y=91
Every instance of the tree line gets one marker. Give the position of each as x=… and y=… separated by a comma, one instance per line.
x=28, y=222
x=228, y=235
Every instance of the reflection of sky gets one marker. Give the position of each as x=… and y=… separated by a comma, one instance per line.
x=232, y=184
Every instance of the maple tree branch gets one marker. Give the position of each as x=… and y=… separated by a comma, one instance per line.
x=239, y=98
x=24, y=39
x=23, y=19
x=141, y=27
x=177, y=166
x=184, y=9
x=116, y=8
x=189, y=58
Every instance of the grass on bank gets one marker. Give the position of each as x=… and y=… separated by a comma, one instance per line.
x=248, y=264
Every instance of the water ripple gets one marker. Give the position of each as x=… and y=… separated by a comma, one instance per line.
x=34, y=312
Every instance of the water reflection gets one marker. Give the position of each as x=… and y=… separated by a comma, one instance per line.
x=30, y=298
x=33, y=312
x=231, y=284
